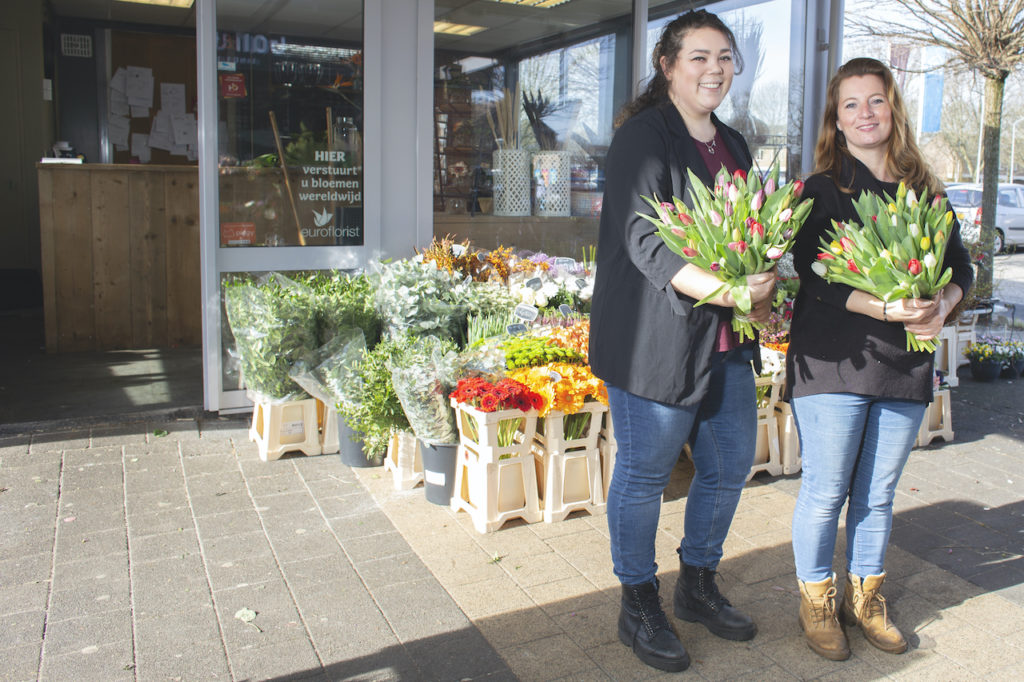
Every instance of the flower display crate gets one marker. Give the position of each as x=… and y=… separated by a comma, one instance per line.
x=404, y=460
x=947, y=354
x=607, y=447
x=327, y=418
x=495, y=483
x=938, y=420
x=789, y=441
x=569, y=470
x=767, y=454
x=486, y=446
x=280, y=427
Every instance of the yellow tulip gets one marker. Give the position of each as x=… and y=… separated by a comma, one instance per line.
x=836, y=248
x=925, y=243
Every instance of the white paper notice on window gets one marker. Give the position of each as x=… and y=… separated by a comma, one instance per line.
x=172, y=98
x=183, y=129
x=140, y=147
x=140, y=112
x=160, y=132
x=119, y=81
x=118, y=129
x=119, y=103
x=139, y=87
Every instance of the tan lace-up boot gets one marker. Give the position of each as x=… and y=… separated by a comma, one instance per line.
x=863, y=605
x=818, y=619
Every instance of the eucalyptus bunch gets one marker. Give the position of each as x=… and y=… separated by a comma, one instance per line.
x=423, y=374
x=419, y=298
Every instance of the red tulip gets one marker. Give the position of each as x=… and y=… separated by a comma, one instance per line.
x=685, y=219
x=798, y=188
x=755, y=227
x=826, y=256
x=688, y=252
x=678, y=231
x=914, y=266
x=738, y=247
x=853, y=266
x=846, y=243
x=740, y=174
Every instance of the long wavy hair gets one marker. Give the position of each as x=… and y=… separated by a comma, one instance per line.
x=903, y=157
x=669, y=45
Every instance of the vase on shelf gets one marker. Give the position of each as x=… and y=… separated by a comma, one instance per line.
x=552, y=182
x=511, y=182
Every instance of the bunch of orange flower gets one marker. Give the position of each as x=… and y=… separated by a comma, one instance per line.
x=574, y=337
x=563, y=387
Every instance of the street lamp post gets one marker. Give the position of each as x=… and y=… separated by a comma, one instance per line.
x=1013, y=147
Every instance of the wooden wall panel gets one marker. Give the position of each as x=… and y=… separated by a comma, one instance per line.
x=121, y=257
x=148, y=213
x=72, y=218
x=112, y=297
x=48, y=258
x=184, y=290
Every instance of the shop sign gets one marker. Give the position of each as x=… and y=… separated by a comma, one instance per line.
x=237, y=234
x=232, y=85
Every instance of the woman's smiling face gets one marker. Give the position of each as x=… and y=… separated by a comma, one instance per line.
x=864, y=116
x=700, y=78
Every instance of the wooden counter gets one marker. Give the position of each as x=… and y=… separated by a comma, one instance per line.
x=120, y=256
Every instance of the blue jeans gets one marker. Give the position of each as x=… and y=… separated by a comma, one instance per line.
x=854, y=448
x=722, y=430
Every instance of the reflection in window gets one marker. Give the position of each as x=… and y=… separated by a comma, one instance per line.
x=523, y=117
x=763, y=103
x=290, y=139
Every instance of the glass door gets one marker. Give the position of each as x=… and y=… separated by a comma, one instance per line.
x=282, y=187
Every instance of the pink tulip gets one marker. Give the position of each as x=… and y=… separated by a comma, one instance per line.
x=716, y=218
x=785, y=215
x=738, y=247
x=685, y=219
x=769, y=186
x=758, y=201
x=715, y=267
x=798, y=188
x=688, y=252
x=774, y=253
x=846, y=243
x=679, y=232
x=734, y=192
x=728, y=208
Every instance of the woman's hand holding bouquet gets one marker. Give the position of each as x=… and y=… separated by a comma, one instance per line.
x=895, y=254
x=741, y=228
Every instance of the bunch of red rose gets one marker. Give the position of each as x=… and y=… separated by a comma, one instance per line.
x=507, y=394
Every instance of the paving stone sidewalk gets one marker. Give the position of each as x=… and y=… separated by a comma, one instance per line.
x=127, y=555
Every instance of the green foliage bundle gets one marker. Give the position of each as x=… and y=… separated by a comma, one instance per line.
x=274, y=324
x=344, y=301
x=377, y=412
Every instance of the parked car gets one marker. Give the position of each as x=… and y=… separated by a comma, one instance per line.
x=965, y=200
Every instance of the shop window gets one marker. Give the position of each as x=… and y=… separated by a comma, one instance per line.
x=522, y=120
x=290, y=126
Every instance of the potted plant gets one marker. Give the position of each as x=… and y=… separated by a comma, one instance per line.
x=986, y=363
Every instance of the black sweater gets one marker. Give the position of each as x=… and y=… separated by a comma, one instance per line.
x=645, y=337
x=833, y=350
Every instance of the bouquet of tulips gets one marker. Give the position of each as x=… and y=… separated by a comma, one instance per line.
x=896, y=252
x=740, y=228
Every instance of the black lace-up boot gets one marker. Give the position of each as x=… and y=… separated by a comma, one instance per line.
x=698, y=600
x=644, y=627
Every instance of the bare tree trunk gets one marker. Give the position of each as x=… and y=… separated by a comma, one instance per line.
x=990, y=187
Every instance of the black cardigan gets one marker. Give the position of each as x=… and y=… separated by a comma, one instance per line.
x=833, y=350
x=645, y=337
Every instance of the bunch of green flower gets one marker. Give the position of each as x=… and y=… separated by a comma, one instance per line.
x=377, y=411
x=274, y=324
x=531, y=351
x=343, y=301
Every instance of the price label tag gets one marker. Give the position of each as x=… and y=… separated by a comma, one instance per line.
x=534, y=283
x=458, y=250
x=565, y=263
x=468, y=280
x=526, y=312
x=482, y=256
x=516, y=329
x=565, y=310
x=555, y=376
x=581, y=284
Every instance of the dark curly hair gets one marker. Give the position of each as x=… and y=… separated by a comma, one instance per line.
x=669, y=45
